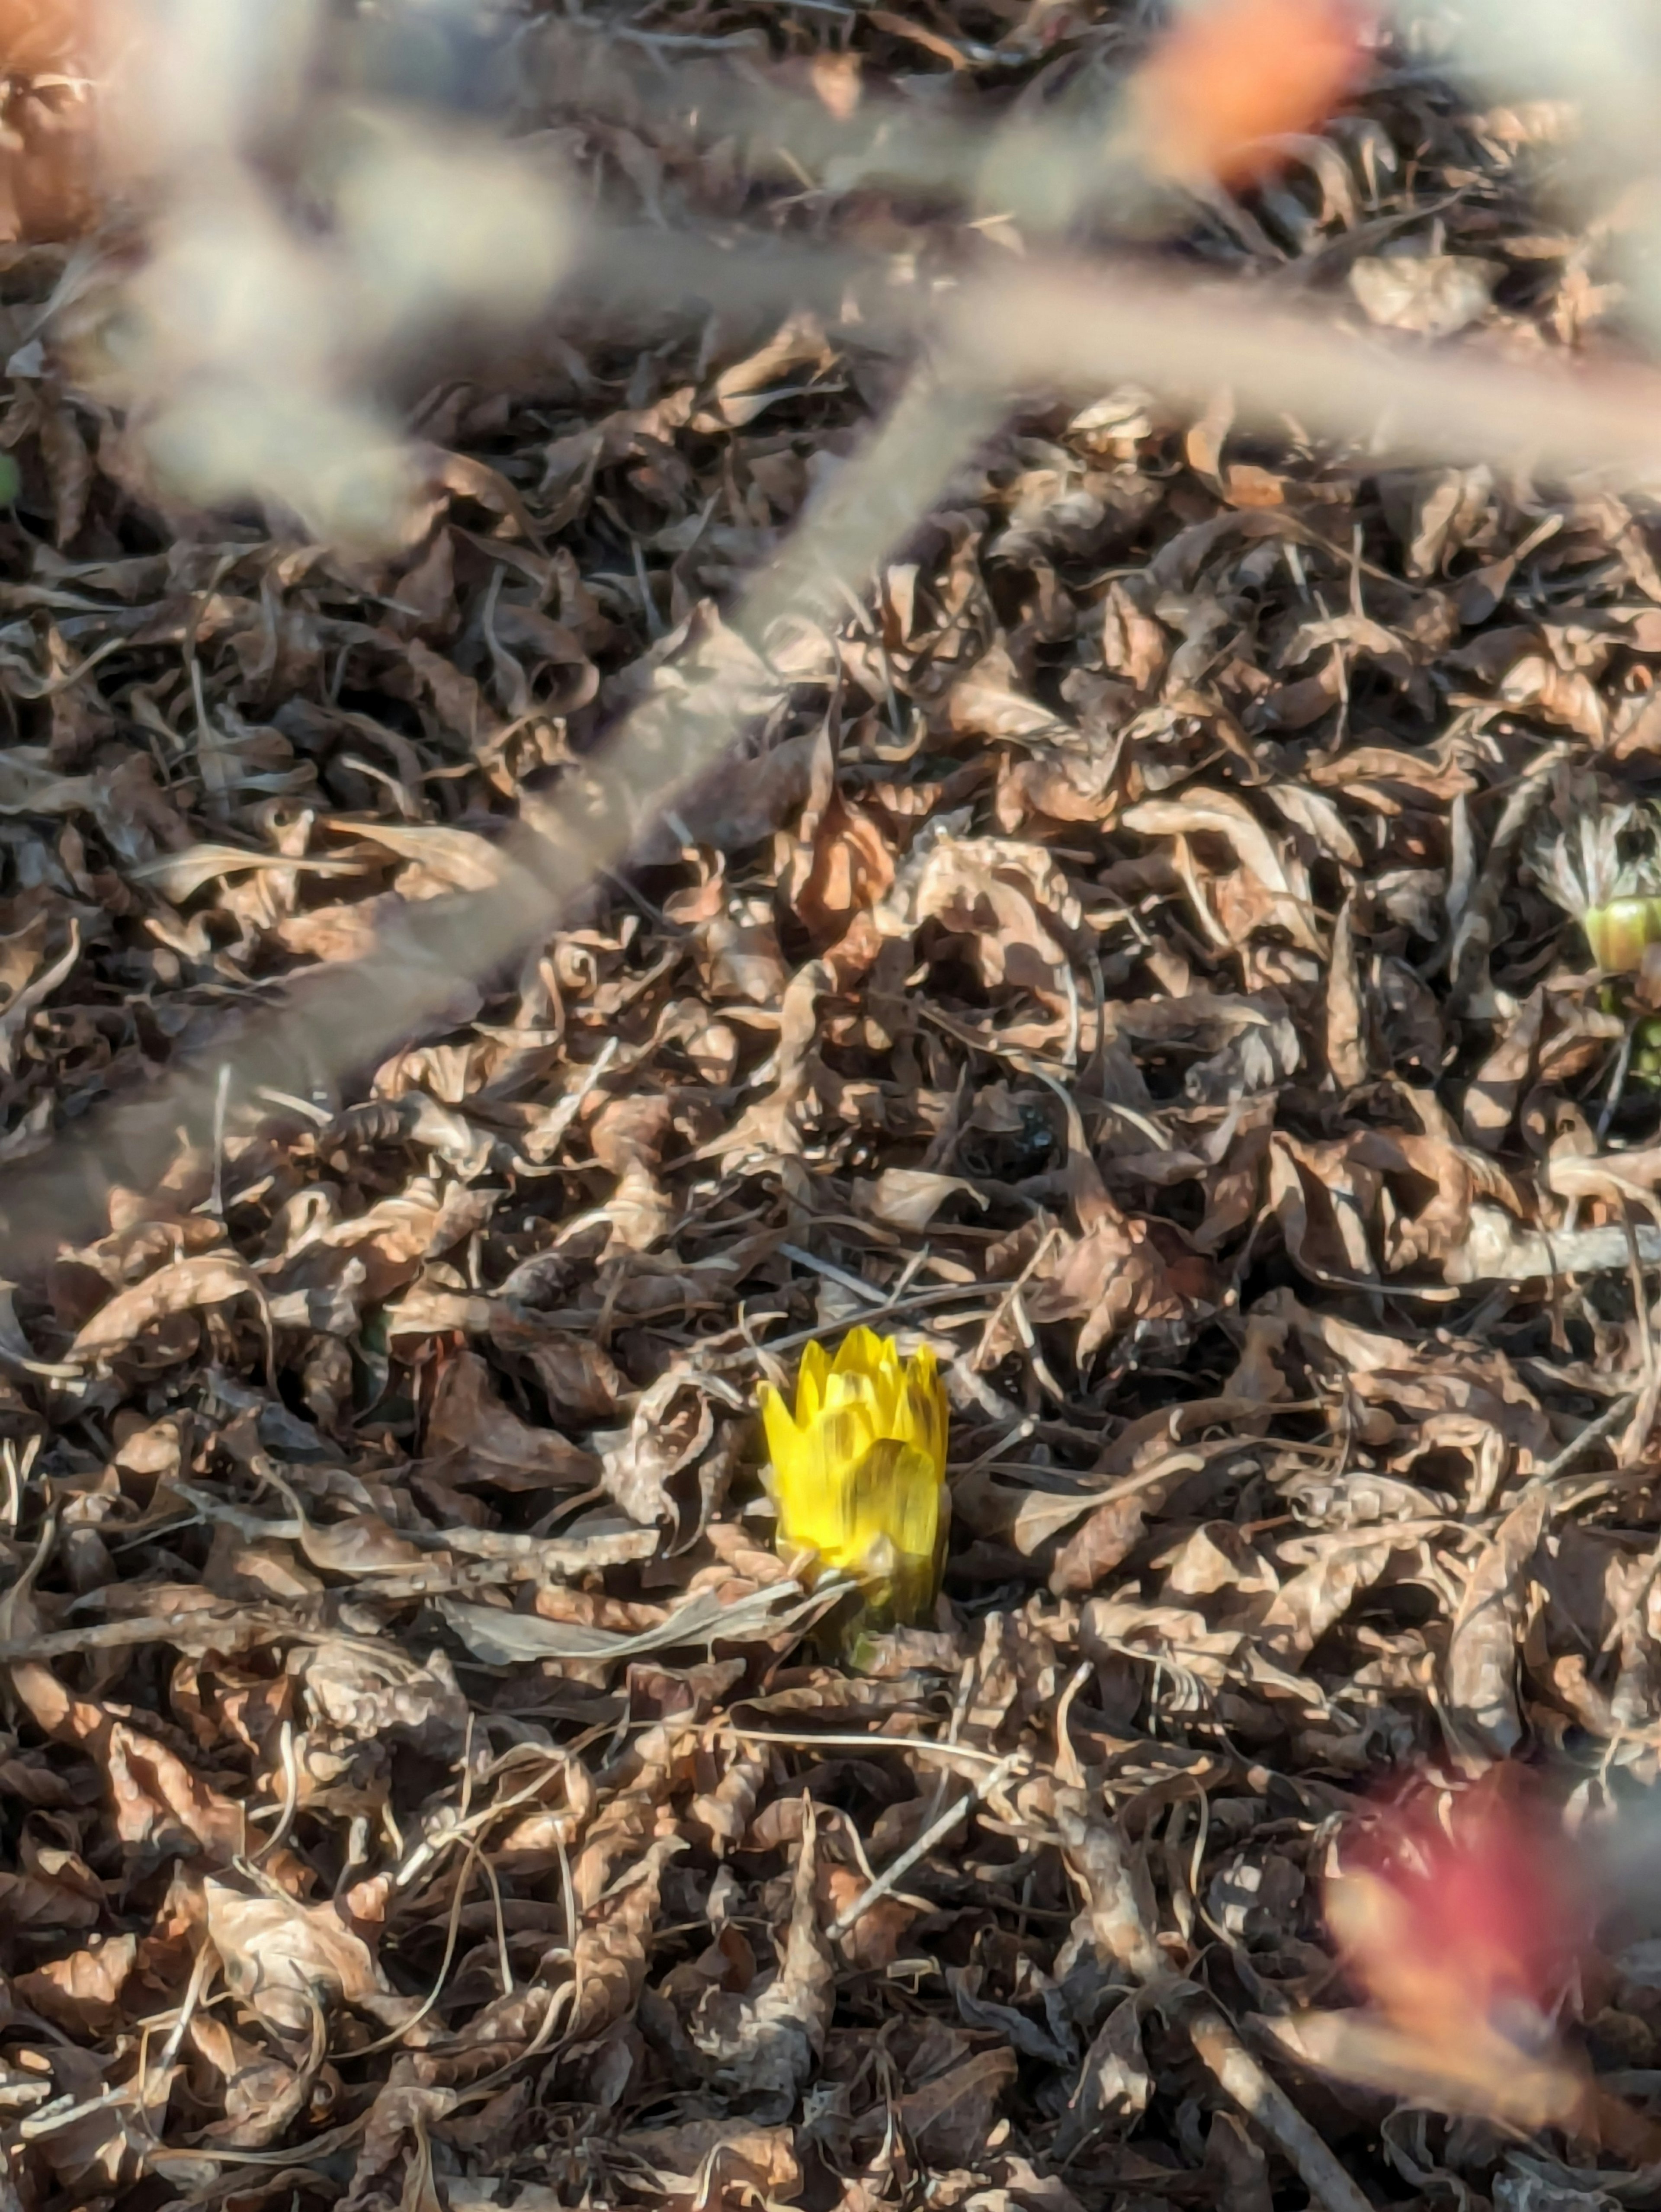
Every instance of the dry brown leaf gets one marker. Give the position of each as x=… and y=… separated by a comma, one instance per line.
x=1346, y=1008
x=1281, y=885
x=1495, y=1088
x=951, y=2118
x=1006, y=898
x=1114, y=2085
x=608, y=1957
x=471, y=1437
x=670, y=1429
x=1564, y=696
x=159, y=1802
x=81, y=1993
x=1113, y=1529
x=282, y=1958
x=909, y=1198
x=210, y=1278
x=1480, y=1678
x=873, y=1938
x=1309, y=1603
x=731, y=2154
x=725, y=1811
x=581, y=1379
x=762, y=2046
x=364, y=1695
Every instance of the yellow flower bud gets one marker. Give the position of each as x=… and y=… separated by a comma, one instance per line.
x=1619, y=933
x=859, y=1474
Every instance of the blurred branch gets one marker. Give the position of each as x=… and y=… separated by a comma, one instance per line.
x=1044, y=166
x=1019, y=325
x=344, y=1019
x=1604, y=57
x=1082, y=326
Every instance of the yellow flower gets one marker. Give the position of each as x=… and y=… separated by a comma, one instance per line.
x=859, y=1473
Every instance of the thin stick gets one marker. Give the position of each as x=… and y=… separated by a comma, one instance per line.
x=925, y=1746
x=1594, y=1433
x=892, y=1875
x=1100, y=1863
x=1240, y=2077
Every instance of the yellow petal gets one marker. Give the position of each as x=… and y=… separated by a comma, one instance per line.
x=783, y=1438
x=926, y=1408
x=815, y=1498
x=894, y=1540
x=860, y=1353
x=810, y=1384
x=853, y=1398
x=896, y=1494
x=888, y=1495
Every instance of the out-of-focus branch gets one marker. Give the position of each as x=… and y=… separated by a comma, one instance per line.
x=1050, y=325
x=346, y=1018
x=1121, y=142
x=1041, y=167
x=1083, y=326
x=1602, y=57
x=252, y=338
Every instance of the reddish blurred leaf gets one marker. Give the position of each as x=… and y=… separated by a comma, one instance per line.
x=1459, y=1917
x=1232, y=74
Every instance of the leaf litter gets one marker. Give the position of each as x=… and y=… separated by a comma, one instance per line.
x=1134, y=967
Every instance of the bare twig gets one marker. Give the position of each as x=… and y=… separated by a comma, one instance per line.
x=1594, y=1433
x=891, y=1876
x=1119, y=1925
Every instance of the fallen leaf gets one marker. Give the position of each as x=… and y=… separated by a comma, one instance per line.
x=1432, y=295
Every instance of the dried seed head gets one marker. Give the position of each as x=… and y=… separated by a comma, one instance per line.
x=1604, y=867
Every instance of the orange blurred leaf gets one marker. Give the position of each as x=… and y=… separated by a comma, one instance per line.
x=1231, y=75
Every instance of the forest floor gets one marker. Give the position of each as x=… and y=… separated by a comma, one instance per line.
x=1121, y=963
